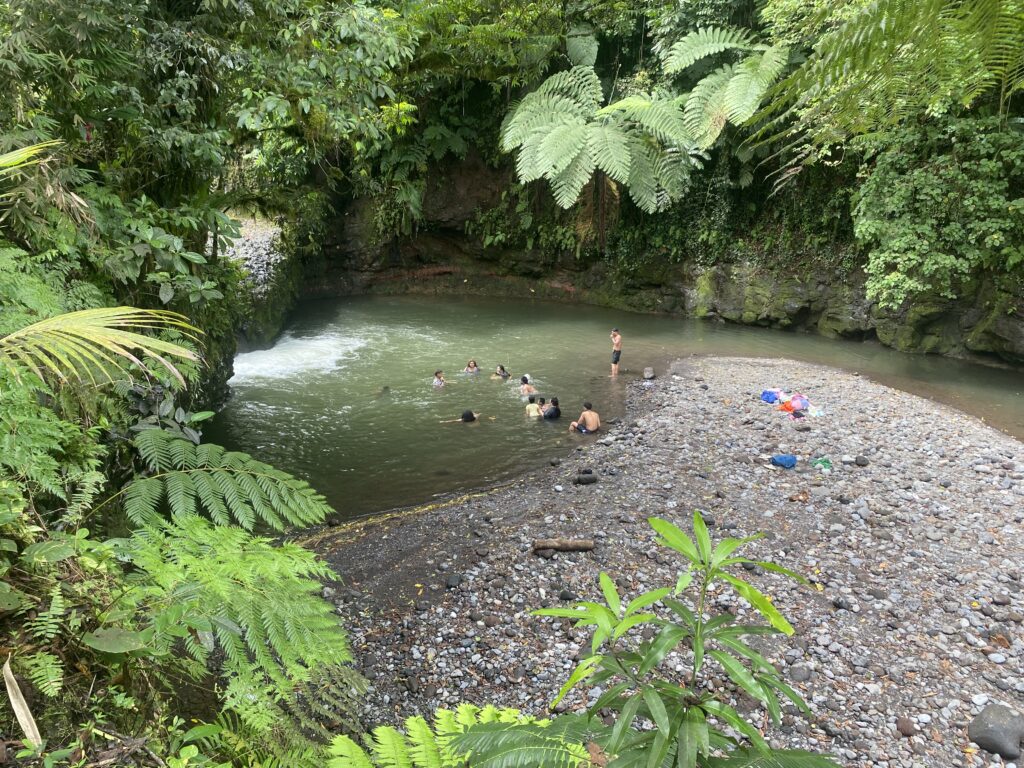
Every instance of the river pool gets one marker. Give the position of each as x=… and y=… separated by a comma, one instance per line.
x=344, y=398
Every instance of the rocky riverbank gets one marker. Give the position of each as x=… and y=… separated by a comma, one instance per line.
x=912, y=543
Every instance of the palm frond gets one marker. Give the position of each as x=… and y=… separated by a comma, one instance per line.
x=95, y=344
x=20, y=158
x=704, y=42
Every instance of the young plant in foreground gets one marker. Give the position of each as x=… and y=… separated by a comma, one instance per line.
x=689, y=719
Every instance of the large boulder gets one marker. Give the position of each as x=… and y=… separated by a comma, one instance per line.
x=999, y=730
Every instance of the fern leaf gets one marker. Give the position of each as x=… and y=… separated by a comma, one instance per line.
x=706, y=112
x=609, y=146
x=225, y=485
x=704, y=42
x=580, y=84
x=560, y=147
x=46, y=672
x=423, y=746
x=750, y=81
x=389, y=748
x=346, y=753
x=567, y=185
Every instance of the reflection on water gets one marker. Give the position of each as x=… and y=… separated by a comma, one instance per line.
x=344, y=399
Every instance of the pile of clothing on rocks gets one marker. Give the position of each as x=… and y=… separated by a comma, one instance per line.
x=792, y=403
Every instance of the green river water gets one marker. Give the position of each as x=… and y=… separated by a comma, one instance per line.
x=314, y=404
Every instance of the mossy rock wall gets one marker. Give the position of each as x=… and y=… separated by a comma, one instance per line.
x=442, y=259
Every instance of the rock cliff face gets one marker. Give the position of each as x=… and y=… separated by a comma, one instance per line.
x=442, y=259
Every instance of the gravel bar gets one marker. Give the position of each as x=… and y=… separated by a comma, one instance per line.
x=912, y=623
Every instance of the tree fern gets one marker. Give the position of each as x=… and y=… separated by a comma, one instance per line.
x=421, y=746
x=705, y=42
x=227, y=486
x=564, y=136
x=893, y=62
x=581, y=45
x=259, y=603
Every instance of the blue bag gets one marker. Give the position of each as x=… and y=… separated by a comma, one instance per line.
x=784, y=460
x=770, y=396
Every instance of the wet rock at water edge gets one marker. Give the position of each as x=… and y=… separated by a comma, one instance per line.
x=999, y=730
x=648, y=374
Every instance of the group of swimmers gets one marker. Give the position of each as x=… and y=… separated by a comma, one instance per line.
x=537, y=407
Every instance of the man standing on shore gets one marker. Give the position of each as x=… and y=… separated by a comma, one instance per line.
x=616, y=350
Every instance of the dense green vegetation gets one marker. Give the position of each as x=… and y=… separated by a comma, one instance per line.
x=138, y=566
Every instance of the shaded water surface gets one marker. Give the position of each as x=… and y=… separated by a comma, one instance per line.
x=344, y=398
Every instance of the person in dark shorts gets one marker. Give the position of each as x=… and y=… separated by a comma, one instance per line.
x=553, y=411
x=589, y=421
x=616, y=338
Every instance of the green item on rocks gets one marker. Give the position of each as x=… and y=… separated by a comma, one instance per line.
x=822, y=462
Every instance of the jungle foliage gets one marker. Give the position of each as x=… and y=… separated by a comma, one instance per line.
x=138, y=569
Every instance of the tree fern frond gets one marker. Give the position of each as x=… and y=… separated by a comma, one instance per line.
x=750, y=81
x=560, y=147
x=661, y=118
x=705, y=113
x=389, y=748
x=538, y=111
x=423, y=746
x=609, y=146
x=558, y=744
x=225, y=485
x=567, y=185
x=581, y=45
x=94, y=344
x=580, y=84
x=346, y=753
x=704, y=42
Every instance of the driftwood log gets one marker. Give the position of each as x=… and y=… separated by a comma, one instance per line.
x=564, y=545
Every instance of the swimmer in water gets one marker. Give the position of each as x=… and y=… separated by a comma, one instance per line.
x=526, y=387
x=439, y=379
x=471, y=367
x=501, y=373
x=532, y=409
x=467, y=417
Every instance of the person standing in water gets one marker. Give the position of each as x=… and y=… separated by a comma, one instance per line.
x=439, y=379
x=616, y=338
x=526, y=388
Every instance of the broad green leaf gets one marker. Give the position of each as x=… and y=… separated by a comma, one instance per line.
x=114, y=640
x=684, y=580
x=663, y=643
x=727, y=714
x=700, y=532
x=773, y=681
x=768, y=566
x=674, y=538
x=622, y=724
x=727, y=546
x=47, y=552
x=609, y=696
x=742, y=649
x=631, y=621
x=682, y=611
x=761, y=603
x=583, y=670
x=658, y=749
x=691, y=738
x=739, y=674
x=611, y=594
x=646, y=599
x=657, y=709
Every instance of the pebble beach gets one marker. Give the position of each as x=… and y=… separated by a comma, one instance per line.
x=909, y=627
